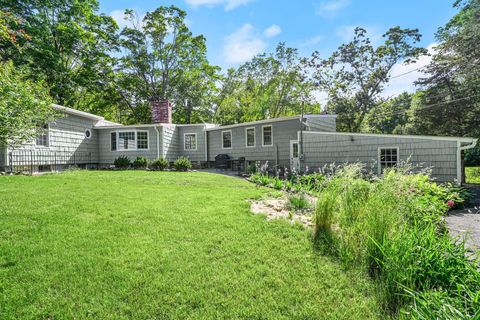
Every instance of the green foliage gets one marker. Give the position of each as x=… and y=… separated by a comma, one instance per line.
x=165, y=61
x=472, y=156
x=298, y=202
x=68, y=47
x=182, y=164
x=472, y=174
x=356, y=74
x=140, y=163
x=102, y=235
x=394, y=229
x=25, y=106
x=268, y=86
x=122, y=162
x=159, y=164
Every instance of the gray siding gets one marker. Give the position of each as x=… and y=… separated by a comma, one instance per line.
x=326, y=123
x=193, y=155
x=67, y=143
x=283, y=132
x=321, y=149
x=170, y=142
x=108, y=157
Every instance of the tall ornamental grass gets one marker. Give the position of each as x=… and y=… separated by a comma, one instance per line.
x=393, y=229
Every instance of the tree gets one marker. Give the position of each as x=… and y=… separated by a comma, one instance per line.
x=268, y=86
x=162, y=60
x=390, y=116
x=68, y=48
x=11, y=32
x=24, y=106
x=356, y=74
x=450, y=102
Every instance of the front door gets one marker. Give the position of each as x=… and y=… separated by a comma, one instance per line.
x=294, y=156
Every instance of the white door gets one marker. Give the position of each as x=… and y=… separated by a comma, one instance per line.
x=294, y=155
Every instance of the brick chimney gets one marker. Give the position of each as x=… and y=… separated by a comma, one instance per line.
x=161, y=111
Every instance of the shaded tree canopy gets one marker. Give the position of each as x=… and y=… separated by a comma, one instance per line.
x=356, y=74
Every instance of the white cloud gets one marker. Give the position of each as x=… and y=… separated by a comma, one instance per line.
x=227, y=4
x=272, y=31
x=404, y=75
x=312, y=41
x=331, y=8
x=242, y=45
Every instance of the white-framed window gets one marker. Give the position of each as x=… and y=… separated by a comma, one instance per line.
x=142, y=140
x=129, y=140
x=190, y=141
x=43, y=138
x=227, y=139
x=250, y=137
x=387, y=157
x=267, y=136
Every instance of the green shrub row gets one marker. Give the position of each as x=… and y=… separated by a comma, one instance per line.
x=393, y=228
x=160, y=164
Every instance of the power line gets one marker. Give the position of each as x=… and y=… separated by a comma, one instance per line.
x=428, y=106
x=402, y=74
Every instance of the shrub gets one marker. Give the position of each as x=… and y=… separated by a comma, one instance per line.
x=122, y=162
x=298, y=202
x=140, y=163
x=393, y=228
x=277, y=184
x=159, y=164
x=182, y=164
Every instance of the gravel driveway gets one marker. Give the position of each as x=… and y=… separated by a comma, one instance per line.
x=466, y=222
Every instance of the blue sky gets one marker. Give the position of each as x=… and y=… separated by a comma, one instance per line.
x=238, y=29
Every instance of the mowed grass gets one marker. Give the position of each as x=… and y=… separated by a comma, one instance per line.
x=145, y=245
x=472, y=174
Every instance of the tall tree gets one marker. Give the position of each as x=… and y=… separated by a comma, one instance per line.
x=162, y=59
x=24, y=106
x=69, y=46
x=355, y=75
x=450, y=102
x=268, y=86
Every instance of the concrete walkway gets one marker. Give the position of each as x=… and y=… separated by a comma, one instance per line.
x=466, y=222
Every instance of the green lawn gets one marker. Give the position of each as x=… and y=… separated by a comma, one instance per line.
x=472, y=174
x=112, y=245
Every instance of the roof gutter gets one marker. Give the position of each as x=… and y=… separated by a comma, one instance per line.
x=460, y=148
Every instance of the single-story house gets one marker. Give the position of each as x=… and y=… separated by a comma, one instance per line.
x=293, y=142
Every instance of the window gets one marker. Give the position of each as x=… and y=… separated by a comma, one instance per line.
x=142, y=140
x=250, y=137
x=42, y=139
x=88, y=133
x=388, y=157
x=295, y=150
x=227, y=139
x=113, y=141
x=267, y=136
x=126, y=140
x=129, y=140
x=190, y=141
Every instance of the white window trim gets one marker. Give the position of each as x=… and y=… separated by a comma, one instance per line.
x=263, y=139
x=231, y=139
x=196, y=141
x=116, y=141
x=136, y=141
x=379, y=170
x=254, y=137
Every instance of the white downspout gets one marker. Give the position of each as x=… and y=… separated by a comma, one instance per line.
x=158, y=141
x=459, y=157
